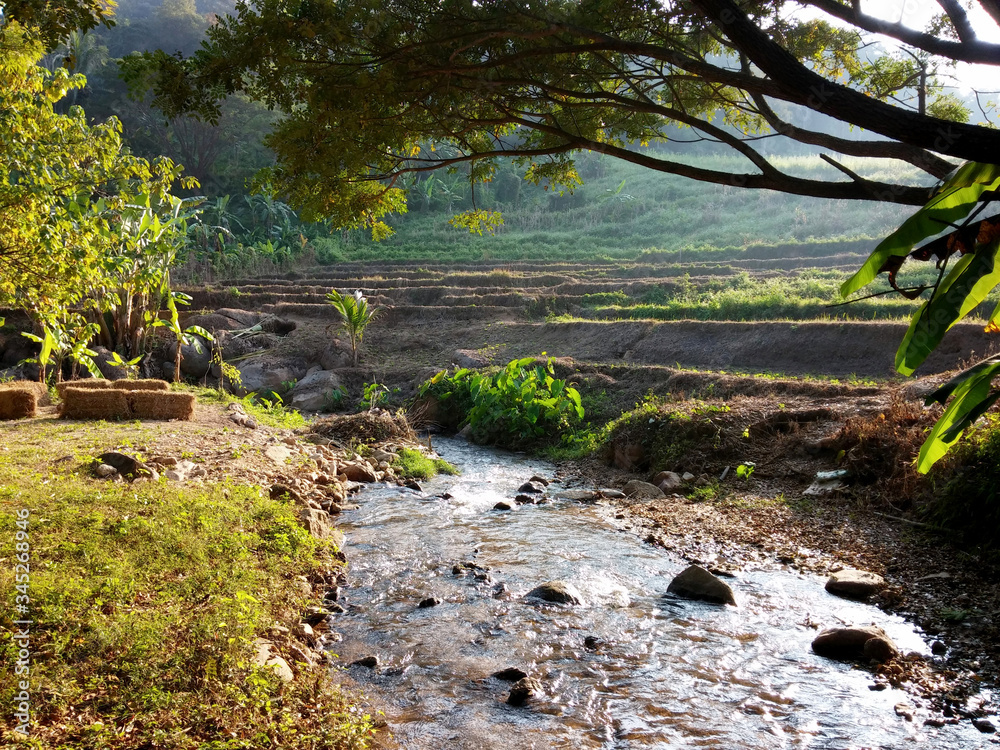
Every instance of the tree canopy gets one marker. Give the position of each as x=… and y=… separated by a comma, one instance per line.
x=372, y=92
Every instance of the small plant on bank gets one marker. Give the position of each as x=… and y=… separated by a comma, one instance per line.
x=413, y=464
x=745, y=470
x=355, y=315
x=519, y=403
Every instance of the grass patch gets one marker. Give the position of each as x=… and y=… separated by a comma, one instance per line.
x=271, y=413
x=411, y=463
x=146, y=599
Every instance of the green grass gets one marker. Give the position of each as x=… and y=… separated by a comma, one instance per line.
x=268, y=413
x=145, y=600
x=413, y=464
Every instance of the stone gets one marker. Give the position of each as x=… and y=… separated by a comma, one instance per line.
x=526, y=499
x=316, y=522
x=266, y=657
x=257, y=377
x=278, y=453
x=880, y=650
x=370, y=662
x=105, y=470
x=469, y=358
x=380, y=455
x=336, y=356
x=524, y=690
x=610, y=493
x=510, y=674
x=592, y=642
x=184, y=470
x=627, y=457
x=938, y=648
x=196, y=356
x=984, y=725
x=503, y=505
x=431, y=601
x=413, y=484
x=103, y=358
x=850, y=643
x=313, y=392
x=579, y=496
x=642, y=490
x=535, y=479
x=694, y=582
x=668, y=481
x=557, y=592
x=359, y=472
x=127, y=466
x=687, y=476
x=531, y=488
x=854, y=584
x=278, y=491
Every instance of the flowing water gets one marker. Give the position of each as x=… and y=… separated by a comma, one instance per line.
x=663, y=672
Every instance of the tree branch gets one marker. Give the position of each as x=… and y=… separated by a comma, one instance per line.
x=966, y=51
x=959, y=19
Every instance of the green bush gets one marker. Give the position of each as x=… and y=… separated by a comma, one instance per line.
x=412, y=463
x=520, y=403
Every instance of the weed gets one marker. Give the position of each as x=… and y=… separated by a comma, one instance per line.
x=413, y=463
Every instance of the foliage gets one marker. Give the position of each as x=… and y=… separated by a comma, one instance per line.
x=961, y=198
x=412, y=463
x=523, y=402
x=269, y=412
x=355, y=315
x=376, y=395
x=181, y=674
x=371, y=96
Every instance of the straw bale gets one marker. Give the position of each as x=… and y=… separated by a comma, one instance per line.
x=17, y=403
x=40, y=390
x=161, y=405
x=89, y=383
x=95, y=403
x=142, y=385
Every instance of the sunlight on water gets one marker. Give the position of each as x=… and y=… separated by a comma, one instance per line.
x=627, y=668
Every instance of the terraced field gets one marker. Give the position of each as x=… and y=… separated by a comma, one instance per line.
x=653, y=314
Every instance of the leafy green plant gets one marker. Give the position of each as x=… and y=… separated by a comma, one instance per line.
x=523, y=401
x=961, y=198
x=355, y=316
x=376, y=395
x=745, y=470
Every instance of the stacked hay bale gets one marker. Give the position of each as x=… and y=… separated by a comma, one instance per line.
x=127, y=399
x=40, y=390
x=97, y=383
x=20, y=398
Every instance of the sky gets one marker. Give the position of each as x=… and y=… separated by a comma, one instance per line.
x=915, y=14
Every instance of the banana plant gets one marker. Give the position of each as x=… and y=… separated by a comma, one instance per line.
x=955, y=235
x=183, y=336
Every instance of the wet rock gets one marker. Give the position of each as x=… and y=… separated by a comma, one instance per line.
x=880, y=650
x=578, y=496
x=539, y=480
x=697, y=583
x=369, y=662
x=610, y=493
x=431, y=601
x=854, y=584
x=851, y=643
x=938, y=648
x=510, y=674
x=532, y=488
x=526, y=499
x=642, y=490
x=592, y=642
x=500, y=591
x=524, y=690
x=557, y=592
x=503, y=505
x=984, y=725
x=668, y=481
x=904, y=711
x=414, y=485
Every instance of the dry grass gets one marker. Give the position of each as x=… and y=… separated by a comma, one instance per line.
x=17, y=403
x=156, y=404
x=141, y=385
x=365, y=427
x=91, y=383
x=40, y=390
x=95, y=403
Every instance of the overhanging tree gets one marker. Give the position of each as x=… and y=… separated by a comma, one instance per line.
x=373, y=91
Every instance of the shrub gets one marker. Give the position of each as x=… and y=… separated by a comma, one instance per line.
x=519, y=403
x=413, y=463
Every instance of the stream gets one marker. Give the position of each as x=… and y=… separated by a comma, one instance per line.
x=628, y=668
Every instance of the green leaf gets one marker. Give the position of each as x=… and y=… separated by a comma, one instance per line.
x=971, y=397
x=951, y=203
x=965, y=287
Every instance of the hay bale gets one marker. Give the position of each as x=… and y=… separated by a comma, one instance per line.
x=159, y=405
x=40, y=390
x=17, y=403
x=142, y=385
x=91, y=383
x=95, y=403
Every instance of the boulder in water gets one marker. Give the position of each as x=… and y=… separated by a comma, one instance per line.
x=853, y=643
x=854, y=584
x=557, y=592
x=697, y=583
